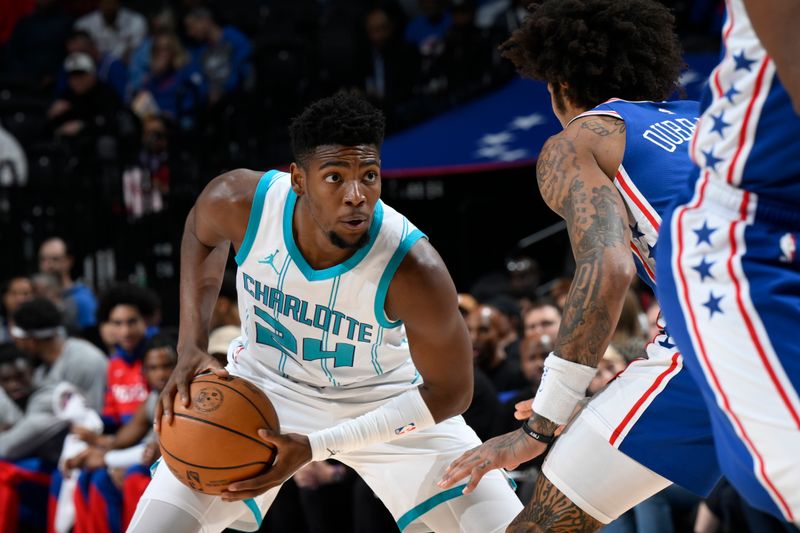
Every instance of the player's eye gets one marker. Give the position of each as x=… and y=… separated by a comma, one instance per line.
x=371, y=176
x=333, y=178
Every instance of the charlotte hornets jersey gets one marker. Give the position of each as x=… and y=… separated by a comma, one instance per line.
x=654, y=169
x=748, y=134
x=320, y=328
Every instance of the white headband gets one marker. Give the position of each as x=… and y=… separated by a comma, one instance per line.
x=44, y=333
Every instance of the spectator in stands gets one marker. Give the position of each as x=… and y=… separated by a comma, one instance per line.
x=481, y=415
x=468, y=59
x=509, y=19
x=118, y=464
x=13, y=293
x=127, y=308
x=115, y=29
x=609, y=366
x=109, y=69
x=391, y=65
x=226, y=309
x=466, y=303
x=55, y=258
x=88, y=107
x=428, y=29
x=486, y=325
x=220, y=339
x=532, y=355
x=38, y=432
x=139, y=64
x=630, y=319
x=512, y=326
x=36, y=46
x=223, y=53
x=47, y=286
x=145, y=185
x=541, y=323
x=173, y=81
x=560, y=290
x=39, y=332
x=30, y=440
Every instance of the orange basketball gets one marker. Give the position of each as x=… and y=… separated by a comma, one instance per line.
x=215, y=441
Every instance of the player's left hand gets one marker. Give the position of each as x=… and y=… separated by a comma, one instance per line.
x=506, y=451
x=292, y=452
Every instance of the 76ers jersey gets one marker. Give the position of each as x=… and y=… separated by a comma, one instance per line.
x=654, y=169
x=320, y=328
x=748, y=134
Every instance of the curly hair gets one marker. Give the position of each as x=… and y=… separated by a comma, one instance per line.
x=144, y=300
x=600, y=49
x=346, y=118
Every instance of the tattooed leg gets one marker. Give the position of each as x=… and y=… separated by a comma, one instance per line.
x=552, y=512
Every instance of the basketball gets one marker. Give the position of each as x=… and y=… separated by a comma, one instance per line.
x=214, y=442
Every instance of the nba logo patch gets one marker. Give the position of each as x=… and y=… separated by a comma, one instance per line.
x=408, y=428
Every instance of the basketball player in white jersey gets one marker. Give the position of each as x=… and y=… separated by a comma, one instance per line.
x=350, y=324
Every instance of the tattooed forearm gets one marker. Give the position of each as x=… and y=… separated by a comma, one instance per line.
x=587, y=324
x=604, y=126
x=552, y=512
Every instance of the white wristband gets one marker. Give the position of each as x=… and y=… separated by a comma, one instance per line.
x=397, y=417
x=563, y=385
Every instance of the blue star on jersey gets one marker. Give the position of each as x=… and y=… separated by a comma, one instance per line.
x=711, y=160
x=704, y=269
x=731, y=93
x=666, y=343
x=713, y=304
x=742, y=62
x=704, y=233
x=719, y=123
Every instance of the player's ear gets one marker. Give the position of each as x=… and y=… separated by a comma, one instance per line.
x=298, y=178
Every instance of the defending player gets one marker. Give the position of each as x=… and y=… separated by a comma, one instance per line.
x=728, y=270
x=611, y=174
x=328, y=276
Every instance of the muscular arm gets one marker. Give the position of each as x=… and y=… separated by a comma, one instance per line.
x=218, y=218
x=574, y=172
x=775, y=22
x=423, y=296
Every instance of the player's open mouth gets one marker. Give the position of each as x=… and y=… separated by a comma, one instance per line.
x=355, y=223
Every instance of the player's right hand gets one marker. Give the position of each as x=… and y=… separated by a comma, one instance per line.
x=190, y=363
x=506, y=451
x=524, y=409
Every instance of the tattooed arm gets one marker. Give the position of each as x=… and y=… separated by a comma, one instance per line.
x=575, y=173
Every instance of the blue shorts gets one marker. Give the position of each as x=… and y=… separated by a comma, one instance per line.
x=729, y=286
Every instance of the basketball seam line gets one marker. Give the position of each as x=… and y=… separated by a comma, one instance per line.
x=248, y=400
x=220, y=426
x=211, y=467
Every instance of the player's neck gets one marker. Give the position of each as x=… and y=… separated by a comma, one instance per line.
x=314, y=244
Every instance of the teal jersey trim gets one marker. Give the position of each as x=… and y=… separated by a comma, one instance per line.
x=255, y=215
x=316, y=275
x=409, y=517
x=251, y=503
x=388, y=274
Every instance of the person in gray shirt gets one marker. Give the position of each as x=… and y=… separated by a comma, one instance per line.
x=38, y=331
x=37, y=432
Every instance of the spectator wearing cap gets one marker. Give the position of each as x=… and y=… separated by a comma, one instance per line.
x=110, y=69
x=39, y=332
x=220, y=339
x=115, y=29
x=88, y=106
x=223, y=54
x=226, y=309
